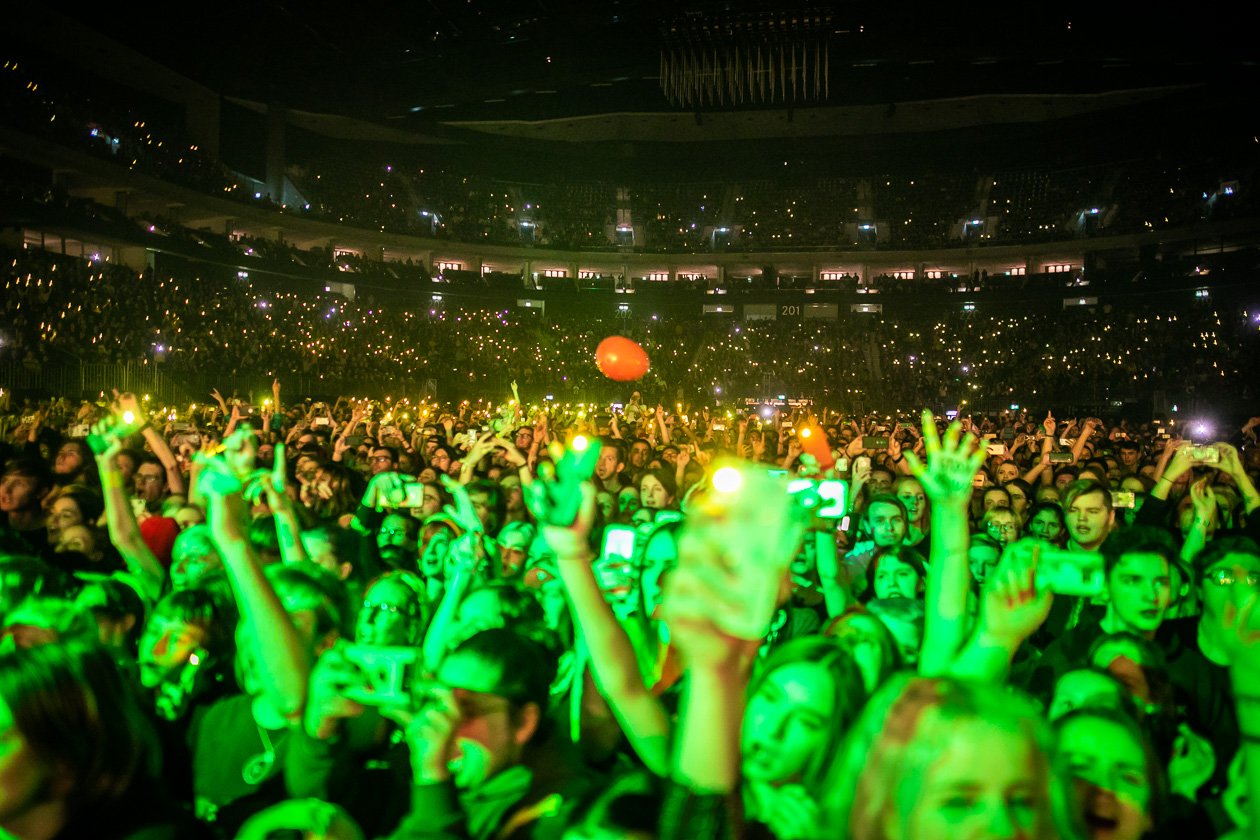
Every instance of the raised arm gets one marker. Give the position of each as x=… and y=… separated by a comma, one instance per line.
x=614, y=664
x=157, y=443
x=124, y=531
x=946, y=480
x=285, y=662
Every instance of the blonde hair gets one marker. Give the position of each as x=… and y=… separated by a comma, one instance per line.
x=877, y=780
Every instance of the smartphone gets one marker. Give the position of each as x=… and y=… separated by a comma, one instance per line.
x=996, y=449
x=78, y=431
x=321, y=421
x=617, y=408
x=861, y=462
x=1205, y=454
x=413, y=495
x=1066, y=572
x=1064, y=442
x=180, y=426
x=389, y=674
x=1060, y=457
x=828, y=498
x=1123, y=499
x=1008, y=433
x=874, y=442
x=719, y=427
x=355, y=440
x=248, y=410
x=977, y=480
x=618, y=541
x=842, y=464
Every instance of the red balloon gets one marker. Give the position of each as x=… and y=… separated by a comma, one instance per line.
x=621, y=359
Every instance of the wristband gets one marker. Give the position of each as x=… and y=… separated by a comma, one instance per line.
x=1248, y=738
x=1247, y=698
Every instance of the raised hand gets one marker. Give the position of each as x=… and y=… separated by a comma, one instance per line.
x=1013, y=607
x=952, y=462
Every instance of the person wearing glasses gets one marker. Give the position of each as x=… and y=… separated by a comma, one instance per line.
x=383, y=459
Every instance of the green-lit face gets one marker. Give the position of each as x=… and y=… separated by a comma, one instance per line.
x=433, y=558
x=387, y=616
x=1140, y=591
x=982, y=558
x=1045, y=526
x=912, y=496
x=787, y=723
x=967, y=794
x=1089, y=519
x=1110, y=770
x=887, y=523
x=652, y=494
x=1228, y=581
x=486, y=741
x=895, y=579
x=1082, y=690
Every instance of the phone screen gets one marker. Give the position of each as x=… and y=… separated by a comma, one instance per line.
x=619, y=541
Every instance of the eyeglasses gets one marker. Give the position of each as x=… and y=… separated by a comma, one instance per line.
x=1224, y=577
x=147, y=478
x=394, y=532
x=1002, y=526
x=381, y=458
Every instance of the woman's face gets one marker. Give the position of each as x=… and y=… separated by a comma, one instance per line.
x=78, y=538
x=63, y=514
x=912, y=496
x=788, y=723
x=1046, y=526
x=996, y=498
x=1109, y=768
x=69, y=460
x=895, y=579
x=965, y=795
x=652, y=494
x=433, y=555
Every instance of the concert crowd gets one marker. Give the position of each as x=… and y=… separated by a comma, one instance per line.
x=361, y=618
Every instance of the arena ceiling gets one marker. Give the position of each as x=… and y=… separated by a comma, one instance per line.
x=662, y=88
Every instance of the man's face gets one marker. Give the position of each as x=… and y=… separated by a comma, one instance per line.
x=1129, y=458
x=487, y=740
x=888, y=524
x=18, y=492
x=639, y=452
x=524, y=438
x=1140, y=591
x=387, y=615
x=607, y=466
x=394, y=540
x=1089, y=519
x=513, y=549
x=1228, y=583
x=382, y=461
x=150, y=482
x=880, y=482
